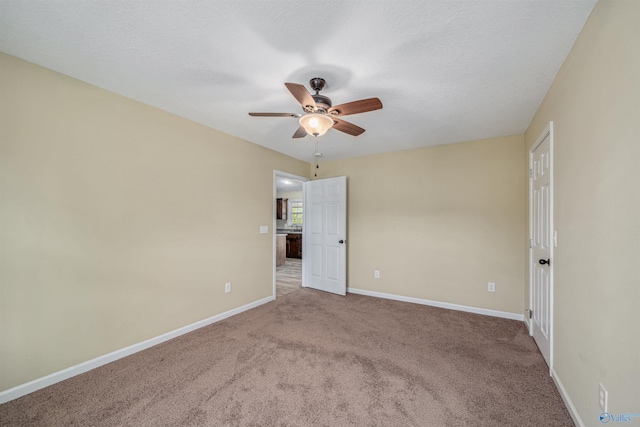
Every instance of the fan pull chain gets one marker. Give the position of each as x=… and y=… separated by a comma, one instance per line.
x=315, y=154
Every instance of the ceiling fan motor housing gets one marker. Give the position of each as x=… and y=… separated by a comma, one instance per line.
x=322, y=102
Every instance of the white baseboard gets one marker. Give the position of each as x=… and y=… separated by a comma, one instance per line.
x=37, y=384
x=469, y=309
x=567, y=400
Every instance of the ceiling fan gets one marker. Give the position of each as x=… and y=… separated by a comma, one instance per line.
x=319, y=116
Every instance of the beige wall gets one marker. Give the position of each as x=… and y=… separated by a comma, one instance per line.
x=115, y=221
x=439, y=223
x=595, y=106
x=290, y=194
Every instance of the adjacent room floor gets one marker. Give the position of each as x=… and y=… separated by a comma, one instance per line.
x=288, y=277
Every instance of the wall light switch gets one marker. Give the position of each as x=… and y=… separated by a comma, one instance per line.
x=264, y=229
x=491, y=287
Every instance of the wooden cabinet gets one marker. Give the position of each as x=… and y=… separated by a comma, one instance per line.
x=281, y=243
x=294, y=246
x=281, y=208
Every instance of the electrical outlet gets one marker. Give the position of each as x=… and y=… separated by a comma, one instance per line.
x=227, y=287
x=491, y=287
x=376, y=274
x=603, y=396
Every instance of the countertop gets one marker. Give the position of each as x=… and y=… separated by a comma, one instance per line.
x=282, y=231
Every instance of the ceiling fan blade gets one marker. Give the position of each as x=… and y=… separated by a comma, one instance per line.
x=300, y=133
x=275, y=114
x=355, y=107
x=347, y=127
x=301, y=93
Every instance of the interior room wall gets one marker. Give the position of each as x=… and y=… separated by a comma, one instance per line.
x=594, y=104
x=439, y=223
x=119, y=221
x=290, y=194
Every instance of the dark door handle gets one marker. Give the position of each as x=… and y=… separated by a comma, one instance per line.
x=341, y=241
x=545, y=261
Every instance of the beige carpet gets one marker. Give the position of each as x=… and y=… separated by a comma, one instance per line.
x=316, y=359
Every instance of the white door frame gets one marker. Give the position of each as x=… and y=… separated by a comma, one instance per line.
x=277, y=173
x=548, y=131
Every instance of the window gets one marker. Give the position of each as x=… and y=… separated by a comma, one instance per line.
x=295, y=213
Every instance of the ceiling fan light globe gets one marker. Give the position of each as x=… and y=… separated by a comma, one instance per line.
x=316, y=124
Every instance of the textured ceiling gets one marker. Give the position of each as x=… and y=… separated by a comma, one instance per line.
x=446, y=71
x=284, y=184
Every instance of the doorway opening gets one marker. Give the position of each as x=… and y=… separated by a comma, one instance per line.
x=288, y=226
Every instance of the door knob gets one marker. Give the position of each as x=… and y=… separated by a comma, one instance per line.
x=341, y=241
x=545, y=261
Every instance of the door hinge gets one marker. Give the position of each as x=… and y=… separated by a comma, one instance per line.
x=530, y=243
x=530, y=173
x=530, y=313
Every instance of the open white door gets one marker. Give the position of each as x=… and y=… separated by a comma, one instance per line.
x=325, y=235
x=541, y=226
